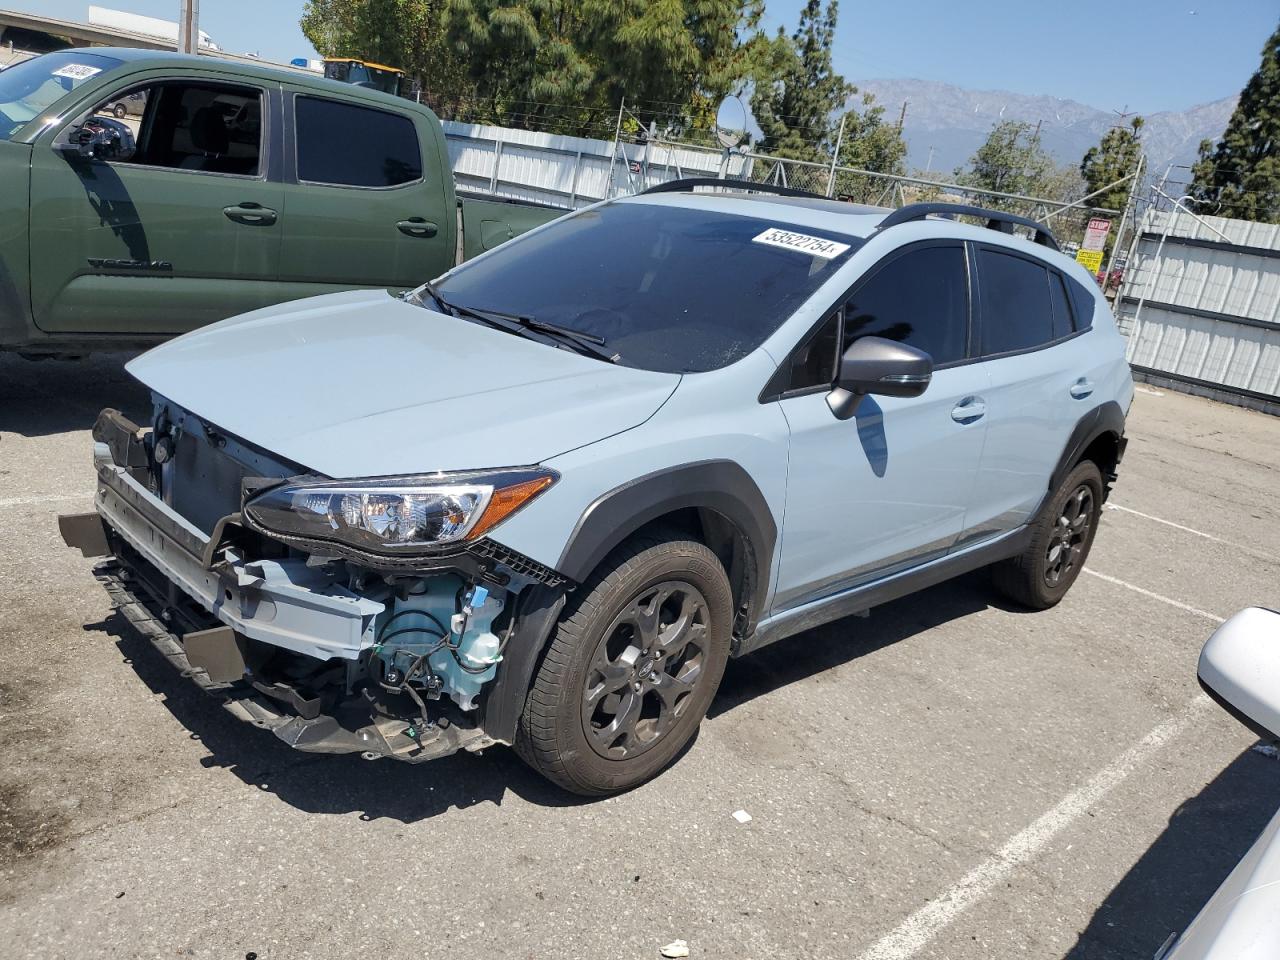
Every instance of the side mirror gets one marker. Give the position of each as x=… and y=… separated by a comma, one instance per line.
x=1240, y=669
x=105, y=140
x=879, y=366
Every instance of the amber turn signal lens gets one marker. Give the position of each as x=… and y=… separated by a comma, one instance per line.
x=506, y=501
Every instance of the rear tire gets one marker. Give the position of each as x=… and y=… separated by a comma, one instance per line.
x=631, y=669
x=1061, y=537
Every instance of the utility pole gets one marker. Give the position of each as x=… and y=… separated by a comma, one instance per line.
x=189, y=26
x=902, y=117
x=1130, y=210
x=835, y=159
x=617, y=134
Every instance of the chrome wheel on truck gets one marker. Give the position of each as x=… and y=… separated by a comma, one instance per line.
x=633, y=666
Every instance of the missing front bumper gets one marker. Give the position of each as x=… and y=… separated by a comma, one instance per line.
x=352, y=725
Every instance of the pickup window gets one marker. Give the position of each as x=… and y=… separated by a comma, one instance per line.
x=345, y=145
x=30, y=88
x=205, y=127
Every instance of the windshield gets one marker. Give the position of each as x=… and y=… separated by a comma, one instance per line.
x=31, y=87
x=666, y=288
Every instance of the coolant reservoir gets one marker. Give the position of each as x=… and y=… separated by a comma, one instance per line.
x=477, y=650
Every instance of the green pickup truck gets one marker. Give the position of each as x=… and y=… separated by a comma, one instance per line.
x=223, y=187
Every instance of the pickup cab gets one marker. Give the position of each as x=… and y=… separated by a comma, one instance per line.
x=222, y=188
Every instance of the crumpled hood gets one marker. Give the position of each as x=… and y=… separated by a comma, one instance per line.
x=363, y=384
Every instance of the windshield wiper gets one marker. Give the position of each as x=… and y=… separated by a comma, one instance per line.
x=430, y=290
x=520, y=324
x=586, y=342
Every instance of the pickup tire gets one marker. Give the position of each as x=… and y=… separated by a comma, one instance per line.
x=1061, y=537
x=631, y=669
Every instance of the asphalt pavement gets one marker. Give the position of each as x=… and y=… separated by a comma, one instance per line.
x=947, y=778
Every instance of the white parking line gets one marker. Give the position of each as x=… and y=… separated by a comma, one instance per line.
x=1155, y=596
x=60, y=498
x=923, y=925
x=1198, y=533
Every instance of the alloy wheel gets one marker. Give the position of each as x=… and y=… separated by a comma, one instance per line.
x=1069, y=536
x=645, y=669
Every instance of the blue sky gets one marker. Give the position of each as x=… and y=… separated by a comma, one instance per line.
x=1148, y=55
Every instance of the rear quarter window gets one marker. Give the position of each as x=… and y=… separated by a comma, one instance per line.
x=1083, y=300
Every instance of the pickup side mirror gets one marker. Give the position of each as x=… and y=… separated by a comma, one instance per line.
x=102, y=141
x=879, y=366
x=1240, y=669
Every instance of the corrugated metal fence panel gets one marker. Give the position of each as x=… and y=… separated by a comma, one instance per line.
x=567, y=171
x=1210, y=309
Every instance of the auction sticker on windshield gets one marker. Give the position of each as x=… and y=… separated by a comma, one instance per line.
x=76, y=71
x=801, y=243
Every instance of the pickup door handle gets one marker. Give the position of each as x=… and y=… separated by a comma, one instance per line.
x=1082, y=388
x=251, y=214
x=968, y=410
x=417, y=227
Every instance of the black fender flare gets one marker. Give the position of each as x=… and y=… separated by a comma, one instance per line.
x=537, y=612
x=1104, y=418
x=720, y=486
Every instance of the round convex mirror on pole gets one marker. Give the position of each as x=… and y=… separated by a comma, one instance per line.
x=731, y=122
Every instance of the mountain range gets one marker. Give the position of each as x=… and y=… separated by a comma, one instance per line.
x=945, y=124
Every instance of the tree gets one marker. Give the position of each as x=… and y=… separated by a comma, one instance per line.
x=797, y=91
x=1115, y=156
x=1240, y=177
x=552, y=64
x=408, y=34
x=1012, y=160
x=554, y=60
x=869, y=144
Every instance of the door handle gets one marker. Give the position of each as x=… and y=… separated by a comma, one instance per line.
x=1082, y=388
x=968, y=410
x=251, y=214
x=417, y=227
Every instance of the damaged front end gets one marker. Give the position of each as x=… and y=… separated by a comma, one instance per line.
x=367, y=616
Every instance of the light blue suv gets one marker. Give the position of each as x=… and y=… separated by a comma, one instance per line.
x=541, y=501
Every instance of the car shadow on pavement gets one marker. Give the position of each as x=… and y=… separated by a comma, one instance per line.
x=43, y=397
x=326, y=783
x=816, y=651
x=343, y=784
x=1206, y=836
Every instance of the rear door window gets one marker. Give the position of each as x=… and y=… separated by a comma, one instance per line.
x=346, y=145
x=1016, y=310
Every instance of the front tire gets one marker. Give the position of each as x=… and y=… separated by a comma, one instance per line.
x=632, y=668
x=1061, y=537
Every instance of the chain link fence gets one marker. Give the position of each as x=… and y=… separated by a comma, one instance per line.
x=1067, y=220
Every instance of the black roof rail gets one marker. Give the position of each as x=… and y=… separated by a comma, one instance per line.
x=996, y=219
x=689, y=183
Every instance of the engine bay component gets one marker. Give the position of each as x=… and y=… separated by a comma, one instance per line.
x=437, y=638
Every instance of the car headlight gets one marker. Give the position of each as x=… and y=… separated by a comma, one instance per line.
x=397, y=515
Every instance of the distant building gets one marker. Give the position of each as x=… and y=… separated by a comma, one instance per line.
x=144, y=26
